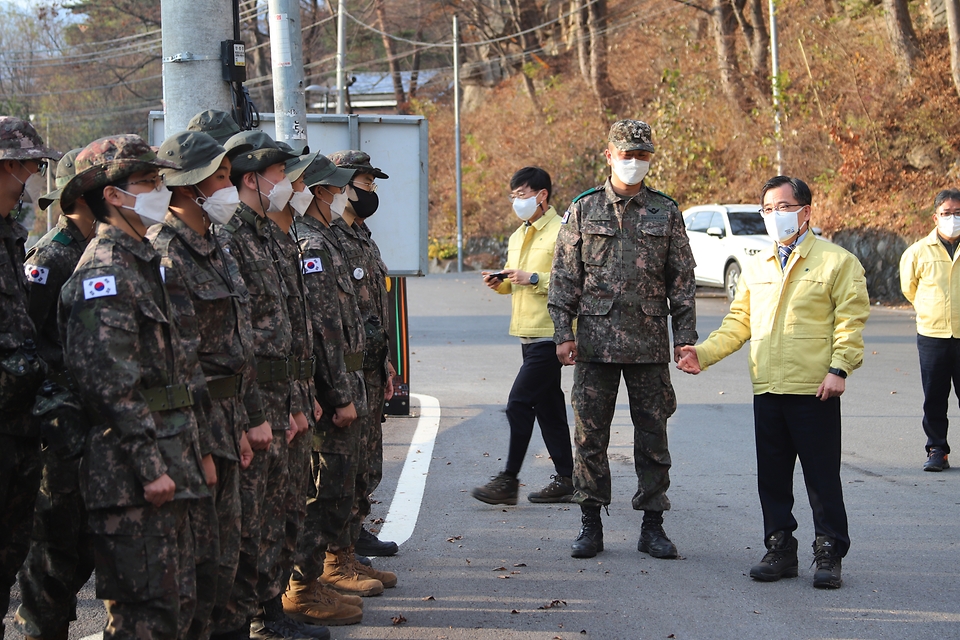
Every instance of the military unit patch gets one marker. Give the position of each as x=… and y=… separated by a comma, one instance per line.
x=99, y=287
x=35, y=274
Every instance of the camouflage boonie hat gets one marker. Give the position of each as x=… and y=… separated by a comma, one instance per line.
x=109, y=160
x=631, y=135
x=285, y=147
x=262, y=153
x=66, y=169
x=219, y=125
x=322, y=171
x=356, y=160
x=198, y=155
x=20, y=141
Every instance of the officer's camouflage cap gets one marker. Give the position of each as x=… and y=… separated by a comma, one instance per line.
x=198, y=155
x=219, y=125
x=356, y=160
x=20, y=141
x=263, y=152
x=631, y=135
x=109, y=160
x=66, y=169
x=322, y=171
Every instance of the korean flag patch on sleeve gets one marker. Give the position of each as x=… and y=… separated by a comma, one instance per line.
x=566, y=216
x=99, y=287
x=35, y=274
x=312, y=265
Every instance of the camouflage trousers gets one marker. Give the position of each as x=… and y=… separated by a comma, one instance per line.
x=145, y=569
x=60, y=560
x=594, y=400
x=333, y=498
x=205, y=523
x=370, y=466
x=228, y=515
x=19, y=481
x=298, y=487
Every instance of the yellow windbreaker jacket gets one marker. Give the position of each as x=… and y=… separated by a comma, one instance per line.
x=800, y=321
x=531, y=248
x=930, y=280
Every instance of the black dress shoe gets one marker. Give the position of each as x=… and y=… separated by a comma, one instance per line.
x=370, y=545
x=590, y=541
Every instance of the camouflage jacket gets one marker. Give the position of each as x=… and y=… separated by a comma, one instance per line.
x=337, y=327
x=368, y=273
x=47, y=266
x=621, y=266
x=211, y=308
x=298, y=306
x=121, y=347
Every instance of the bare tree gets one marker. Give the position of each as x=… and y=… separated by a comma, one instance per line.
x=398, y=92
x=731, y=80
x=526, y=16
x=755, y=33
x=953, y=28
x=903, y=39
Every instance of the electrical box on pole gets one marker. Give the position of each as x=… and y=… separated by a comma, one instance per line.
x=233, y=55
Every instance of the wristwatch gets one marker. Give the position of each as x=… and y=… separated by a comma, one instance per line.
x=837, y=372
x=534, y=279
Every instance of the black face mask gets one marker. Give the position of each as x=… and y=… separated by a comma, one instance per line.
x=366, y=203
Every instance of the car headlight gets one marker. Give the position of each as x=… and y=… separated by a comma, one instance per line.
x=750, y=251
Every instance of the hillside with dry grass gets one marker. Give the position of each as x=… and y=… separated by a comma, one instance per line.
x=874, y=151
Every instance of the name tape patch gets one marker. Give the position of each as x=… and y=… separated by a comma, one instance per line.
x=312, y=265
x=35, y=274
x=99, y=287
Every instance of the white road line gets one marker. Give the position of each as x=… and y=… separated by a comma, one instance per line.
x=405, y=507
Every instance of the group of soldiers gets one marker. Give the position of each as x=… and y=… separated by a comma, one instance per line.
x=193, y=370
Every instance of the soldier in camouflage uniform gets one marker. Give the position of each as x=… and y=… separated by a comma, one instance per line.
x=142, y=465
x=210, y=303
x=22, y=160
x=369, y=275
x=623, y=263
x=251, y=239
x=219, y=125
x=60, y=560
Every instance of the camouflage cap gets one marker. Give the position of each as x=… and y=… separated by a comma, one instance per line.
x=109, y=160
x=359, y=161
x=296, y=166
x=66, y=169
x=219, y=125
x=20, y=141
x=322, y=171
x=198, y=155
x=262, y=153
x=285, y=147
x=631, y=135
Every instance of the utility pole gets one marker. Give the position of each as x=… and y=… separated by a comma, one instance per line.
x=192, y=78
x=456, y=133
x=341, y=56
x=286, y=54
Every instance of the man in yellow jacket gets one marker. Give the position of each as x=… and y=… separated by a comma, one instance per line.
x=536, y=392
x=930, y=280
x=802, y=304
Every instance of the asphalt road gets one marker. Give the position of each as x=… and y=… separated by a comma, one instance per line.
x=472, y=570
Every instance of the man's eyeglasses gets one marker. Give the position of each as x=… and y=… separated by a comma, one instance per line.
x=948, y=213
x=522, y=196
x=156, y=182
x=781, y=207
x=366, y=186
x=41, y=166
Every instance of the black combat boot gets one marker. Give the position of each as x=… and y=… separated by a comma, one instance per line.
x=780, y=560
x=371, y=545
x=825, y=557
x=590, y=540
x=653, y=540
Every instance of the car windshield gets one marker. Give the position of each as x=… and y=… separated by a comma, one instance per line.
x=745, y=223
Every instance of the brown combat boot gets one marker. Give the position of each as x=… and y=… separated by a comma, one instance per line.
x=387, y=578
x=307, y=602
x=340, y=574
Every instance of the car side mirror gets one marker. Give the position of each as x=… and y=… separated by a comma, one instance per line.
x=716, y=232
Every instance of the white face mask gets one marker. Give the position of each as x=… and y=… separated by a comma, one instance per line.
x=150, y=206
x=948, y=226
x=781, y=226
x=221, y=206
x=300, y=202
x=339, y=204
x=525, y=208
x=34, y=187
x=280, y=195
x=631, y=171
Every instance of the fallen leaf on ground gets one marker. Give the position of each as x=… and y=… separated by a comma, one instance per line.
x=428, y=598
x=454, y=538
x=553, y=603
x=398, y=619
x=520, y=564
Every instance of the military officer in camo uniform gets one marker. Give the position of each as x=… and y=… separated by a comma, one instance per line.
x=60, y=560
x=622, y=265
x=142, y=465
x=23, y=157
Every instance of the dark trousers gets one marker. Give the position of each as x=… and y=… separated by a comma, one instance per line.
x=536, y=394
x=939, y=366
x=791, y=426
